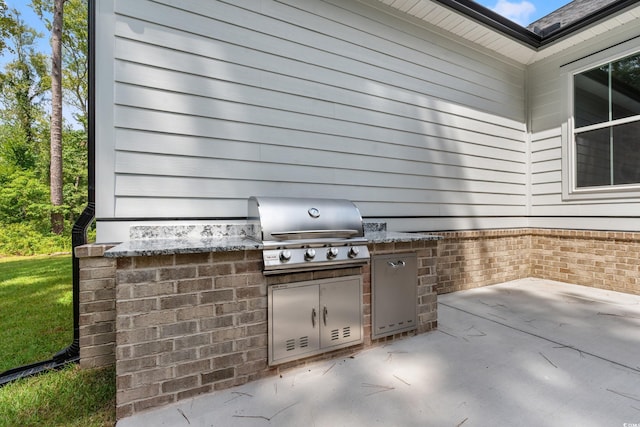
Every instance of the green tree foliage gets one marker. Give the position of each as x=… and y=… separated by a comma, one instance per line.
x=25, y=207
x=75, y=68
x=7, y=25
x=23, y=200
x=24, y=84
x=75, y=39
x=74, y=173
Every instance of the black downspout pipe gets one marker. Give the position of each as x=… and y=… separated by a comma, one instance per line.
x=79, y=230
x=71, y=354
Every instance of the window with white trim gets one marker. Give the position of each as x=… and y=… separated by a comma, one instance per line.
x=606, y=119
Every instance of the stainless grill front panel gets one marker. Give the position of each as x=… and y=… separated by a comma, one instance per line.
x=301, y=234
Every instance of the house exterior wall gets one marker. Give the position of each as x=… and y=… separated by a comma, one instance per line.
x=205, y=103
x=549, y=95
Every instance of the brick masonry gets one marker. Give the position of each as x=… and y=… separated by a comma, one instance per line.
x=601, y=259
x=97, y=306
x=180, y=325
x=470, y=259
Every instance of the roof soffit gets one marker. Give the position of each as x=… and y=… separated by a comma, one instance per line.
x=493, y=32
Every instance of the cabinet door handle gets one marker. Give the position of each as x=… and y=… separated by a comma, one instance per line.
x=325, y=312
x=397, y=264
x=313, y=317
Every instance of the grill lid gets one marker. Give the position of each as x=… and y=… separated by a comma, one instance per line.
x=287, y=218
x=301, y=234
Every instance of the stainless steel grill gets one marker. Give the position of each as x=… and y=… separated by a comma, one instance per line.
x=301, y=234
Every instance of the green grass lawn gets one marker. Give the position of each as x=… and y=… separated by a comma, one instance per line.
x=36, y=321
x=71, y=397
x=36, y=309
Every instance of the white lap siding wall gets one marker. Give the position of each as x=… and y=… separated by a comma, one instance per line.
x=201, y=104
x=549, y=94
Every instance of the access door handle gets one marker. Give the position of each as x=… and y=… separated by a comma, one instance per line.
x=325, y=312
x=313, y=317
x=397, y=264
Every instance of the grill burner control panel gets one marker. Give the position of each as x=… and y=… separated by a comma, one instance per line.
x=316, y=257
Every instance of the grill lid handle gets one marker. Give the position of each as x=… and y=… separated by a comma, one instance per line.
x=313, y=234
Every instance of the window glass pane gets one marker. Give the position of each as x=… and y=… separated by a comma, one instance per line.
x=626, y=153
x=593, y=158
x=591, y=96
x=625, y=87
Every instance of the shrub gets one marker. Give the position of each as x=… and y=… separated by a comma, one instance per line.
x=24, y=199
x=21, y=239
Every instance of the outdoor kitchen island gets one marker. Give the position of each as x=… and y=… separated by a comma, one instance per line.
x=191, y=308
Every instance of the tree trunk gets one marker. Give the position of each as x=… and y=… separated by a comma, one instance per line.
x=57, y=219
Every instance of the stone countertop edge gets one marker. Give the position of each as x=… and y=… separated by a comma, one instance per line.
x=395, y=236
x=154, y=247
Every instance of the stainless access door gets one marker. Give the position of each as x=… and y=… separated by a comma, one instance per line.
x=294, y=321
x=308, y=318
x=393, y=294
x=340, y=312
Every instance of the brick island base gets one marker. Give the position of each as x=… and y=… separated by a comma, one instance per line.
x=176, y=326
x=181, y=325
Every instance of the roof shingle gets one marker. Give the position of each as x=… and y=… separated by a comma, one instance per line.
x=566, y=15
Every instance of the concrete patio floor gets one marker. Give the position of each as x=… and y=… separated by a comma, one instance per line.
x=525, y=353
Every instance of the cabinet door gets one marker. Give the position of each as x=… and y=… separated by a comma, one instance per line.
x=295, y=322
x=340, y=312
x=393, y=289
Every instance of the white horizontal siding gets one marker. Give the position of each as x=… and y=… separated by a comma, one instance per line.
x=213, y=102
x=546, y=168
x=436, y=224
x=548, y=111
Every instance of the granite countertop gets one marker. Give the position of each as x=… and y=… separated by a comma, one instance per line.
x=394, y=236
x=186, y=240
x=184, y=245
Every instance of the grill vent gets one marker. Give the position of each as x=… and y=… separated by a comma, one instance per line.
x=335, y=334
x=290, y=345
x=346, y=332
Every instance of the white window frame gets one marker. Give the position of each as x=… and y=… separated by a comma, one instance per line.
x=570, y=191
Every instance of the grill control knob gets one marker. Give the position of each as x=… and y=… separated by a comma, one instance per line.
x=285, y=255
x=332, y=253
x=353, y=252
x=310, y=254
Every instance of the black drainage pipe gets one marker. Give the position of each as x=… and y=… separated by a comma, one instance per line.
x=71, y=354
